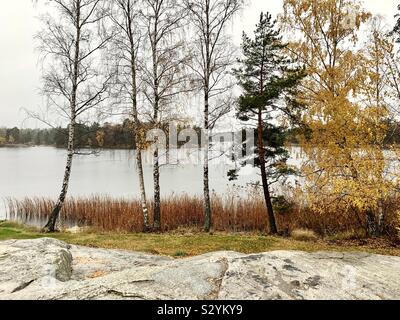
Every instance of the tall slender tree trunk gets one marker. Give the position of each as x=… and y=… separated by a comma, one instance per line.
x=143, y=197
x=139, y=167
x=138, y=151
x=206, y=169
x=157, y=192
x=206, y=179
x=264, y=177
x=156, y=106
x=51, y=224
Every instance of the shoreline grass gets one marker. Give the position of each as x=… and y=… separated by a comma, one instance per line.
x=232, y=214
x=187, y=244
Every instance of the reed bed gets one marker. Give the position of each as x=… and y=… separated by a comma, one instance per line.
x=110, y=214
x=230, y=214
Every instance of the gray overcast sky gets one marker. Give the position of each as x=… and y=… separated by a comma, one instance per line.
x=19, y=72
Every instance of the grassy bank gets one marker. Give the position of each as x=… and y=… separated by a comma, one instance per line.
x=187, y=243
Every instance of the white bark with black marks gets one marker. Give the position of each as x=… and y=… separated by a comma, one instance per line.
x=72, y=80
x=128, y=43
x=164, y=76
x=212, y=59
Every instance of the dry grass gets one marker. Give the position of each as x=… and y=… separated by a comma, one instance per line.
x=184, y=214
x=109, y=214
x=181, y=246
x=304, y=235
x=347, y=236
x=328, y=222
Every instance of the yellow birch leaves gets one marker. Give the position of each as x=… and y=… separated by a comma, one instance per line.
x=345, y=164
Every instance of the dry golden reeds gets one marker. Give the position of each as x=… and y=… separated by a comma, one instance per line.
x=230, y=214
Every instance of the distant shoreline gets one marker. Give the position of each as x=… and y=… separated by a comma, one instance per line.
x=56, y=147
x=293, y=145
x=16, y=146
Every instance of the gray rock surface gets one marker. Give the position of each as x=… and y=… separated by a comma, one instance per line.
x=49, y=269
x=23, y=262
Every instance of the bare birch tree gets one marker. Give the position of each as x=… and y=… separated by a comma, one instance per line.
x=128, y=44
x=211, y=62
x=164, y=76
x=71, y=41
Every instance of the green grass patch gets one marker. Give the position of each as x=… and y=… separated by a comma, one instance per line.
x=9, y=230
x=180, y=254
x=180, y=246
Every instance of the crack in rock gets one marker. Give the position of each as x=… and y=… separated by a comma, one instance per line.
x=214, y=295
x=23, y=286
x=125, y=295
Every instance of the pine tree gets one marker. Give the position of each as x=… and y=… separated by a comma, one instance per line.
x=268, y=80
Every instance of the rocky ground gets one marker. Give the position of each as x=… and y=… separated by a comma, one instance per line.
x=50, y=269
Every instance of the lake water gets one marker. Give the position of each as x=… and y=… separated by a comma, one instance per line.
x=38, y=172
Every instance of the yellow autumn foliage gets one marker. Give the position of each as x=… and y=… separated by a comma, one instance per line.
x=345, y=166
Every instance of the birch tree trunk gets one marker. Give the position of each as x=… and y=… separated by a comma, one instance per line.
x=213, y=56
x=157, y=192
x=156, y=107
x=163, y=75
x=143, y=197
x=206, y=178
x=51, y=224
x=206, y=169
x=72, y=80
x=139, y=160
x=126, y=19
x=138, y=151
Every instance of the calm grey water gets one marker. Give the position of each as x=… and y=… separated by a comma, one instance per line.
x=38, y=172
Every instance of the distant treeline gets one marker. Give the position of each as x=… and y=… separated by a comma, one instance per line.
x=108, y=136
x=114, y=136
x=94, y=136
